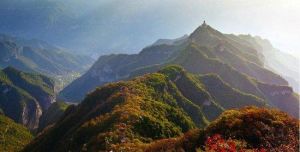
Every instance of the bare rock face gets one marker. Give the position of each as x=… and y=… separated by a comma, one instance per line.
x=31, y=115
x=32, y=111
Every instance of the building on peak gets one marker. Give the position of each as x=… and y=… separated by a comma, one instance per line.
x=204, y=24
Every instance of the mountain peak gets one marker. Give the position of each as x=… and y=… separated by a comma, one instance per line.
x=204, y=27
x=205, y=35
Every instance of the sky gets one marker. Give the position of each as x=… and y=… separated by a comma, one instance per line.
x=130, y=25
x=276, y=20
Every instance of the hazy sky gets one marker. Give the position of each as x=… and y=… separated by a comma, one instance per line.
x=129, y=25
x=276, y=20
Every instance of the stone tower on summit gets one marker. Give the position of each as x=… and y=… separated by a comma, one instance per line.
x=204, y=24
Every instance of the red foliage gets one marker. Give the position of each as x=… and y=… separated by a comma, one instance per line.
x=216, y=143
x=258, y=127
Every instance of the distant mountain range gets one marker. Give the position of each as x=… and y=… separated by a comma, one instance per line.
x=130, y=115
x=89, y=28
x=24, y=96
x=205, y=51
x=282, y=63
x=39, y=56
x=177, y=41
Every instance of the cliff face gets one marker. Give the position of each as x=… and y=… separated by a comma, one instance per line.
x=31, y=114
x=24, y=96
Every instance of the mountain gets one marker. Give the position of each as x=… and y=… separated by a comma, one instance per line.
x=243, y=58
x=39, y=56
x=52, y=114
x=24, y=96
x=205, y=51
x=13, y=136
x=278, y=96
x=132, y=113
x=114, y=67
x=276, y=60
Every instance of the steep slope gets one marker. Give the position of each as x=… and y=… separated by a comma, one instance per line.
x=52, y=114
x=24, y=96
x=39, y=56
x=154, y=106
x=13, y=136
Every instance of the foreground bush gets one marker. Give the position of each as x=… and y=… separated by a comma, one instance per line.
x=259, y=128
x=249, y=129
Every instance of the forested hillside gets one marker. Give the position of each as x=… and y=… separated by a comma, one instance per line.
x=128, y=115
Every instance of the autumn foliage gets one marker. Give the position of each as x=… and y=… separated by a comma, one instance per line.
x=259, y=128
x=162, y=111
x=249, y=129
